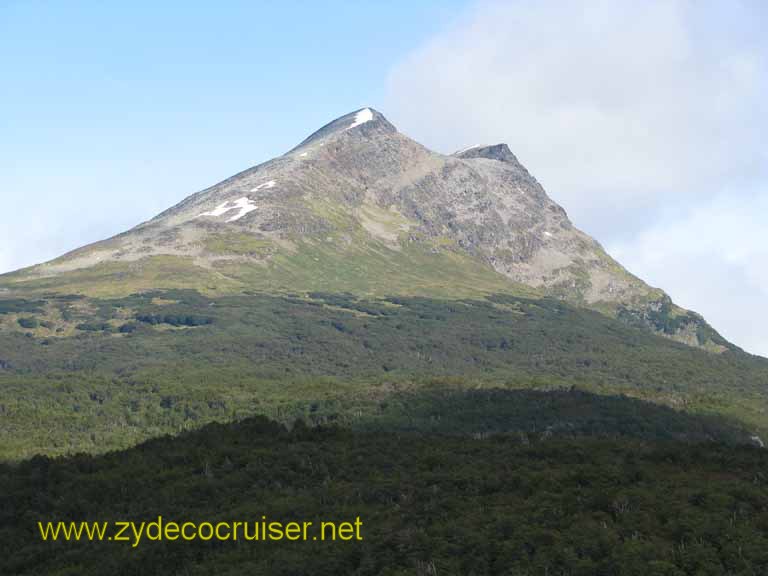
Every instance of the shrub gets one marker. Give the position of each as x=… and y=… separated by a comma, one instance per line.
x=28, y=322
x=94, y=327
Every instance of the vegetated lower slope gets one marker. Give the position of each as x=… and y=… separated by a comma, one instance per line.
x=429, y=505
x=98, y=374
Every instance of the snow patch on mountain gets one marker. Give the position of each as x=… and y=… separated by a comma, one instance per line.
x=467, y=149
x=243, y=206
x=363, y=116
x=222, y=208
x=265, y=186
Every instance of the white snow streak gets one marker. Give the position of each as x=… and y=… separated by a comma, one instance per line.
x=242, y=205
x=218, y=211
x=467, y=148
x=365, y=115
x=265, y=186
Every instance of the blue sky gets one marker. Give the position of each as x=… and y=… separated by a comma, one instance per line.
x=645, y=119
x=113, y=111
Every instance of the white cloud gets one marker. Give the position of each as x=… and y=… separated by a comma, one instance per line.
x=611, y=103
x=638, y=117
x=714, y=260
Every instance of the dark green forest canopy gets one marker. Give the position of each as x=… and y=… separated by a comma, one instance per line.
x=105, y=374
x=449, y=504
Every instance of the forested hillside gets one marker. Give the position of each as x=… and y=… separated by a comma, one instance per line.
x=429, y=505
x=99, y=374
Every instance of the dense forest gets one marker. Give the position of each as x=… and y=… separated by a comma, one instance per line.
x=430, y=504
x=99, y=374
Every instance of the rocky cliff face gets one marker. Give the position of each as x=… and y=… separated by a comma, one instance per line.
x=360, y=207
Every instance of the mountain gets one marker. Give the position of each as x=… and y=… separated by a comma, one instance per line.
x=361, y=280
x=360, y=208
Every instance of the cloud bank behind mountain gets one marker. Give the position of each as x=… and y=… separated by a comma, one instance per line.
x=646, y=120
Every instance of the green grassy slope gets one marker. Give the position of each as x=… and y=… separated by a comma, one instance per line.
x=344, y=261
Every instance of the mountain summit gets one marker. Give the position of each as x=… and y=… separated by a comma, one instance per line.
x=358, y=207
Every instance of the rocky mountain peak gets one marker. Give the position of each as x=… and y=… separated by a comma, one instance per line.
x=367, y=121
x=500, y=152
